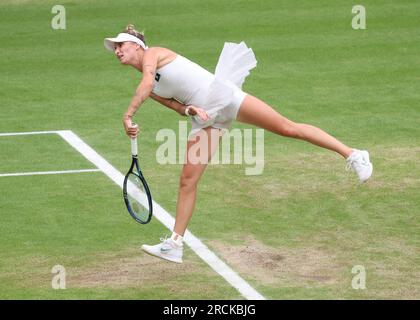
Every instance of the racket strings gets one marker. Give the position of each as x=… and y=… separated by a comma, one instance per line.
x=137, y=197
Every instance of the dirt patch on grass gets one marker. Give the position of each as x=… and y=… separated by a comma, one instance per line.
x=268, y=265
x=133, y=269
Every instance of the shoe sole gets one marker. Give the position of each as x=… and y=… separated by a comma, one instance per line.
x=366, y=154
x=167, y=258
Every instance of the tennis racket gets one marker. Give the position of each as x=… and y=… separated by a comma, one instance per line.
x=136, y=192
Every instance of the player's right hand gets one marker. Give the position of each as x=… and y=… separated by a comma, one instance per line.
x=131, y=129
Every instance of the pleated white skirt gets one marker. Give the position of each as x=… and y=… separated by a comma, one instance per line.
x=225, y=93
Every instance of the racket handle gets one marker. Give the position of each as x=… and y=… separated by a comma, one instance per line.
x=134, y=150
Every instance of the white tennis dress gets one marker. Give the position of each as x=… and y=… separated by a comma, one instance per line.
x=219, y=94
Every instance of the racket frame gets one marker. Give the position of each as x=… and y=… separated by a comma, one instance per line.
x=135, y=169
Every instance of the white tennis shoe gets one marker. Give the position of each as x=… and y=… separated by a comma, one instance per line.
x=359, y=162
x=168, y=249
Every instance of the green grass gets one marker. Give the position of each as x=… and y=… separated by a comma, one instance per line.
x=312, y=221
x=47, y=152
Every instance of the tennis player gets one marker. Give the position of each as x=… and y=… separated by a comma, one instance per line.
x=212, y=101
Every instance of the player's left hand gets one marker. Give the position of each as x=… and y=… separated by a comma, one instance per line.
x=196, y=111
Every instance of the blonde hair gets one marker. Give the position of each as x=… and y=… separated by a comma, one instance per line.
x=130, y=29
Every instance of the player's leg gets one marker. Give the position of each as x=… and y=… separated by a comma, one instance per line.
x=256, y=112
x=200, y=149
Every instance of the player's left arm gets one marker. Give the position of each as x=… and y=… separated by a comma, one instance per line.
x=181, y=108
x=150, y=60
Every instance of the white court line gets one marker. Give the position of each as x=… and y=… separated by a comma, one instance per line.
x=26, y=133
x=161, y=214
x=165, y=218
x=17, y=174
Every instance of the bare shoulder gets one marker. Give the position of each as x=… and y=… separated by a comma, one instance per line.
x=164, y=55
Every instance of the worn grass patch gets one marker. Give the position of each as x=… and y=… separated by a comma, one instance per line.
x=303, y=266
x=115, y=272
x=133, y=269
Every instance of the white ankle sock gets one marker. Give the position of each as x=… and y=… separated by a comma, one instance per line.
x=177, y=238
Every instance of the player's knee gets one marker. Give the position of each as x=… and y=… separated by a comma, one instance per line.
x=188, y=181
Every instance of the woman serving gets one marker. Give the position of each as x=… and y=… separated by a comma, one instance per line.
x=213, y=101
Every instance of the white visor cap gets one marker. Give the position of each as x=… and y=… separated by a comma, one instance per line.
x=109, y=43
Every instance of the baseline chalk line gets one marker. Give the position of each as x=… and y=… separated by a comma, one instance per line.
x=7, y=134
x=17, y=174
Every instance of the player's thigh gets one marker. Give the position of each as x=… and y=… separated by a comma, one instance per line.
x=200, y=148
x=258, y=113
